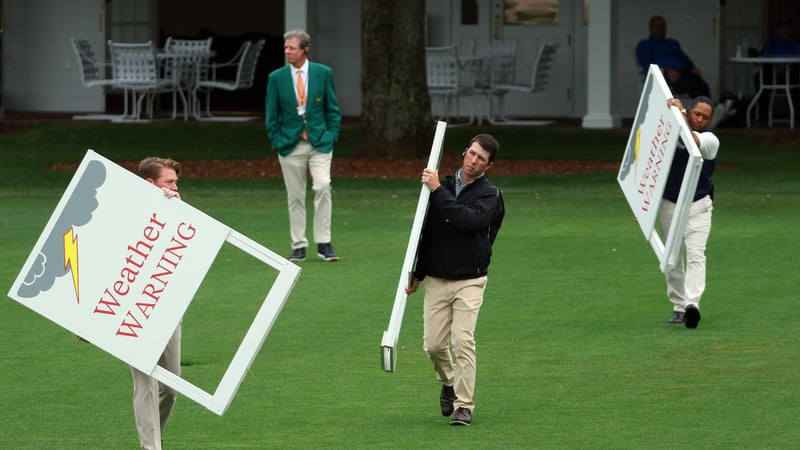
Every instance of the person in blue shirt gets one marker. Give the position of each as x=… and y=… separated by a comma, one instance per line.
x=679, y=70
x=782, y=44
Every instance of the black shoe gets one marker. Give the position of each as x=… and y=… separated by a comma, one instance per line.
x=462, y=416
x=692, y=316
x=446, y=399
x=298, y=254
x=677, y=317
x=325, y=251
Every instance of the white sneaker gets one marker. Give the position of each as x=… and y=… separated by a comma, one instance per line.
x=729, y=109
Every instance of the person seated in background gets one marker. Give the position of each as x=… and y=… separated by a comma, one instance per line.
x=679, y=70
x=781, y=44
x=682, y=76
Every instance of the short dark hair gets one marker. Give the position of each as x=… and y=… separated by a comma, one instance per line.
x=701, y=99
x=151, y=166
x=783, y=20
x=488, y=143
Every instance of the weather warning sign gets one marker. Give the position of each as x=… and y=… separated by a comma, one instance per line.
x=118, y=263
x=645, y=166
x=648, y=155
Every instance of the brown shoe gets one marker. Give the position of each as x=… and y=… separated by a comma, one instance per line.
x=677, y=317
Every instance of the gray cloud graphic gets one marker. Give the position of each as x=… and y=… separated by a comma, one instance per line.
x=630, y=153
x=49, y=264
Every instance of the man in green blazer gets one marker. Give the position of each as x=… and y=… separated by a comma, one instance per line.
x=303, y=120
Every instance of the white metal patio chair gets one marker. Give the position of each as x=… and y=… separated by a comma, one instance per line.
x=493, y=61
x=245, y=61
x=498, y=60
x=211, y=73
x=184, y=61
x=539, y=81
x=445, y=85
x=92, y=72
x=135, y=68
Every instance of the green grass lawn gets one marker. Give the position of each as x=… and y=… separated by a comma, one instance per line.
x=574, y=348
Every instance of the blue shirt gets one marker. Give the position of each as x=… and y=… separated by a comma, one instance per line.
x=460, y=185
x=665, y=53
x=781, y=47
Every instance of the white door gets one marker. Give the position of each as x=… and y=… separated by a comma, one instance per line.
x=531, y=23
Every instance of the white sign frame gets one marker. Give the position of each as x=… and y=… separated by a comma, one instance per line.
x=392, y=333
x=660, y=126
x=100, y=206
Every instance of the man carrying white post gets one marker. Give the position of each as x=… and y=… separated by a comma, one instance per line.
x=464, y=215
x=686, y=281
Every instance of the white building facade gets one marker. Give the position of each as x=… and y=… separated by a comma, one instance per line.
x=595, y=77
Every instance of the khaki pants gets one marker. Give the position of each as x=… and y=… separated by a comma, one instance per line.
x=686, y=282
x=153, y=401
x=295, y=166
x=450, y=315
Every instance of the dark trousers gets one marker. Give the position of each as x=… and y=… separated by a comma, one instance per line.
x=690, y=84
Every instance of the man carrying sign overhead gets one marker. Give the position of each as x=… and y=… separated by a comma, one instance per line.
x=686, y=282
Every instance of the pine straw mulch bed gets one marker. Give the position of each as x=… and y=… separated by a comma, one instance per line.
x=380, y=168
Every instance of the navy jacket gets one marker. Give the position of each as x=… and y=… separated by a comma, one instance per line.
x=704, y=184
x=458, y=234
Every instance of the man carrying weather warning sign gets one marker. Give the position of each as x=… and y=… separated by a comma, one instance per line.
x=666, y=175
x=119, y=263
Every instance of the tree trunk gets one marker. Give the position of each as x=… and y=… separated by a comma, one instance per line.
x=395, y=107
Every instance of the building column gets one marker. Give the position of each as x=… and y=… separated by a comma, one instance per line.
x=296, y=14
x=601, y=54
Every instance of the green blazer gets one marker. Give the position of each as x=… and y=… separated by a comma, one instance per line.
x=322, y=119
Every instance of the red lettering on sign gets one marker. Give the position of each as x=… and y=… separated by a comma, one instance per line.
x=655, y=158
x=143, y=309
x=131, y=325
x=134, y=261
x=105, y=306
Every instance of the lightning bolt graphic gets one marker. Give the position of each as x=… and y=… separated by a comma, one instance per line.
x=71, y=259
x=636, y=159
